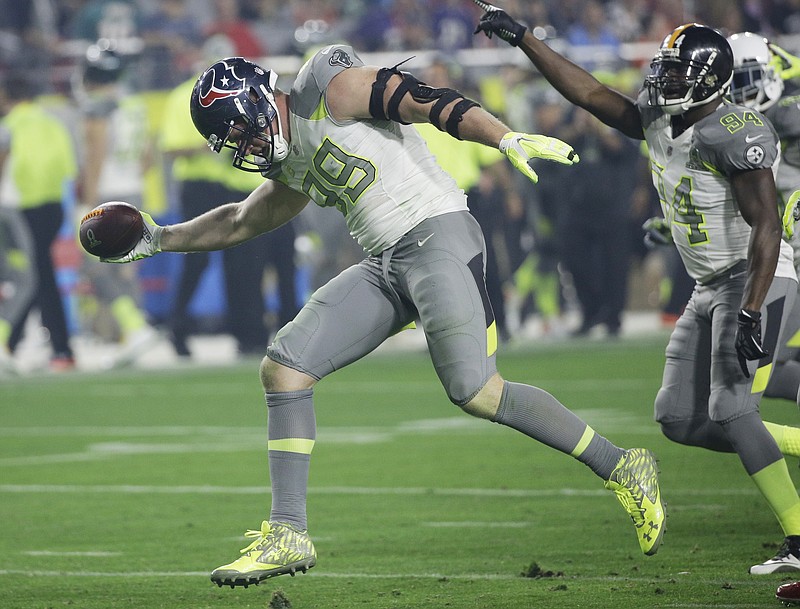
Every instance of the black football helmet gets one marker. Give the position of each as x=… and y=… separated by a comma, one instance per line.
x=99, y=69
x=232, y=104
x=693, y=66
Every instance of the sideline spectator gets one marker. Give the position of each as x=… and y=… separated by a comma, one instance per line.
x=40, y=175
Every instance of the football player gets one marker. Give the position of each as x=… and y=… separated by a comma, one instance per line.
x=341, y=137
x=713, y=167
x=114, y=143
x=757, y=83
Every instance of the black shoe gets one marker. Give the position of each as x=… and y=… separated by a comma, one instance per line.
x=179, y=344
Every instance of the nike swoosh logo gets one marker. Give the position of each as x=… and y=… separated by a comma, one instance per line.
x=752, y=138
x=739, y=274
x=421, y=242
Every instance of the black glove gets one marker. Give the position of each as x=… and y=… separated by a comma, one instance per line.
x=748, y=338
x=496, y=21
x=656, y=233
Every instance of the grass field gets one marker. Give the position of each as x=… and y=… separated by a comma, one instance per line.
x=125, y=490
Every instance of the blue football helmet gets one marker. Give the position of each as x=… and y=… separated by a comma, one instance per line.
x=233, y=104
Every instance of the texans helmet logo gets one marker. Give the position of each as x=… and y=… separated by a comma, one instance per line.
x=224, y=83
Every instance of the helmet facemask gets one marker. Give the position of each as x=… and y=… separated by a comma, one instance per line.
x=756, y=81
x=233, y=106
x=259, y=125
x=693, y=66
x=755, y=85
x=675, y=86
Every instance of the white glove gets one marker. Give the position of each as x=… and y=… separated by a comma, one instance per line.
x=522, y=148
x=148, y=245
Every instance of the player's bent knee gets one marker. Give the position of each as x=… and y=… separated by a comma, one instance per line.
x=485, y=403
x=275, y=377
x=675, y=431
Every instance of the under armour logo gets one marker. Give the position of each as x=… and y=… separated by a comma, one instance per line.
x=648, y=535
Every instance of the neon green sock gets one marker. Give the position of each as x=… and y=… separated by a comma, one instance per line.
x=5, y=332
x=778, y=489
x=128, y=315
x=786, y=437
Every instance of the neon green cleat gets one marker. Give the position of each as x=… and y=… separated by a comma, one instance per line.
x=635, y=483
x=278, y=549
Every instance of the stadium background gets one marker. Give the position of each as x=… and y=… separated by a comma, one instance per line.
x=164, y=43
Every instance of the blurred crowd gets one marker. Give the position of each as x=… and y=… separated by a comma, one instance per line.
x=166, y=36
x=116, y=75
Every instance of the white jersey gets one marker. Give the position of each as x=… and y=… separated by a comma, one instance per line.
x=691, y=173
x=379, y=174
x=122, y=170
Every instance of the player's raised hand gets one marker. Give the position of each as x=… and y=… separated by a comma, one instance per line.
x=148, y=245
x=496, y=21
x=522, y=148
x=789, y=67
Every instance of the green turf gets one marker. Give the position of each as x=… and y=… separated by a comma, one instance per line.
x=124, y=490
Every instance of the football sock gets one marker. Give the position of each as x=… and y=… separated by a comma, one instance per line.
x=776, y=485
x=292, y=430
x=763, y=461
x=787, y=438
x=539, y=415
x=128, y=315
x=752, y=442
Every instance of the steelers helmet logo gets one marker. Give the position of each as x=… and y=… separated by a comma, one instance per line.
x=754, y=155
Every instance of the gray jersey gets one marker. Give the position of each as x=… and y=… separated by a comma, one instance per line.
x=785, y=117
x=691, y=173
x=379, y=174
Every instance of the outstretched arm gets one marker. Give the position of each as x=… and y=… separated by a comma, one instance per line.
x=266, y=208
x=269, y=206
x=349, y=93
x=573, y=82
x=368, y=93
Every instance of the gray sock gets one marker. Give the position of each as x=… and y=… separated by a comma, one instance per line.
x=291, y=430
x=539, y=415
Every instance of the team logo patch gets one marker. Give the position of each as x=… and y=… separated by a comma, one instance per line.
x=694, y=162
x=754, y=155
x=340, y=58
x=224, y=83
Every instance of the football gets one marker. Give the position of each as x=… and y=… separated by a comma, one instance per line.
x=111, y=230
